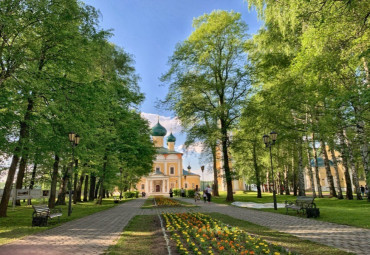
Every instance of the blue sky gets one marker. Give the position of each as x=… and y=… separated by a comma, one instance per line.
x=149, y=30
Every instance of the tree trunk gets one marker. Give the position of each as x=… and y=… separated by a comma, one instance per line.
x=23, y=135
x=79, y=188
x=101, y=180
x=92, y=187
x=281, y=184
x=107, y=193
x=226, y=166
x=301, y=186
x=215, y=174
x=32, y=182
x=21, y=171
x=339, y=188
x=286, y=181
x=97, y=188
x=294, y=172
x=75, y=180
x=268, y=181
x=257, y=172
x=318, y=183
x=354, y=170
x=86, y=187
x=63, y=188
x=329, y=176
x=309, y=168
x=53, y=185
x=344, y=152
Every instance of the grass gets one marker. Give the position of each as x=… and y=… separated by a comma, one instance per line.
x=348, y=212
x=288, y=241
x=142, y=235
x=149, y=203
x=19, y=221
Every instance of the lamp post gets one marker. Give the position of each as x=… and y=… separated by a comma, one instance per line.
x=268, y=143
x=75, y=140
x=202, y=168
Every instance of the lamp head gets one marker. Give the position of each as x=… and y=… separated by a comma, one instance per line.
x=273, y=135
x=266, y=139
x=71, y=136
x=77, y=139
x=202, y=168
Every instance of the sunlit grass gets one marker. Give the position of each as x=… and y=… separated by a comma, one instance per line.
x=19, y=221
x=341, y=211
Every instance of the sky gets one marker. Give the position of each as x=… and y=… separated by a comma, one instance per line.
x=149, y=30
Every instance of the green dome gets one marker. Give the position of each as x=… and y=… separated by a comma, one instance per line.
x=159, y=130
x=171, y=138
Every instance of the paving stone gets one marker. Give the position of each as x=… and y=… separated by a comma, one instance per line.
x=343, y=237
x=89, y=235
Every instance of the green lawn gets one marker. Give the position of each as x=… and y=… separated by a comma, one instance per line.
x=348, y=212
x=142, y=235
x=19, y=221
x=288, y=241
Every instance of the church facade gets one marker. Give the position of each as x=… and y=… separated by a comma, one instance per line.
x=167, y=171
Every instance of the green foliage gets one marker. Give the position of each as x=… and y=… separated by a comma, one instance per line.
x=61, y=74
x=176, y=192
x=190, y=193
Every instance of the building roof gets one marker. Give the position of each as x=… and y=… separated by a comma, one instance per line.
x=158, y=130
x=320, y=162
x=184, y=172
x=162, y=150
x=171, y=138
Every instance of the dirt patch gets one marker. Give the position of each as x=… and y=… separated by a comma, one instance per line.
x=159, y=245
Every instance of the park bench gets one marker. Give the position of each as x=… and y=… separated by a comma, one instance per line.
x=42, y=213
x=304, y=205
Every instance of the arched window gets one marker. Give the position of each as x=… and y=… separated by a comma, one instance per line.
x=172, y=170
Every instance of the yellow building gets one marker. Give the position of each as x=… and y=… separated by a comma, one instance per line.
x=322, y=173
x=167, y=169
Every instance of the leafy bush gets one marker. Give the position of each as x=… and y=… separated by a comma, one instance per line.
x=137, y=194
x=129, y=194
x=176, y=192
x=190, y=193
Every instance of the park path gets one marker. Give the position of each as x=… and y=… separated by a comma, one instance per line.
x=350, y=239
x=93, y=234
x=88, y=235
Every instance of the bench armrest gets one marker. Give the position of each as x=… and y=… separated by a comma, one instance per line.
x=287, y=202
x=55, y=210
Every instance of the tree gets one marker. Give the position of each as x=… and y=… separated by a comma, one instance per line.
x=208, y=75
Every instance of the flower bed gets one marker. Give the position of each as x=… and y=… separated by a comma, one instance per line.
x=162, y=201
x=196, y=233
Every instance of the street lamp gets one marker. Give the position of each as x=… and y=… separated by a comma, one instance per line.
x=268, y=143
x=202, y=168
x=75, y=140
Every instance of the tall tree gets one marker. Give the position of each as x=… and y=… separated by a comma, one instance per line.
x=208, y=75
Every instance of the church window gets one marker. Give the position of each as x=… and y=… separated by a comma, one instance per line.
x=142, y=186
x=157, y=169
x=186, y=185
x=172, y=170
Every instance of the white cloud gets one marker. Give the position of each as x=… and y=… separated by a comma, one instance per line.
x=171, y=124
x=194, y=148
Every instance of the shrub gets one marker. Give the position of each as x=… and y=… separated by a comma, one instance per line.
x=137, y=194
x=129, y=194
x=190, y=193
x=176, y=192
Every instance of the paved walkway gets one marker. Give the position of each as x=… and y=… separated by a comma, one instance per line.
x=89, y=235
x=95, y=233
x=351, y=239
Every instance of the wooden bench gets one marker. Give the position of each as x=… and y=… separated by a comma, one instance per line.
x=42, y=213
x=301, y=204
